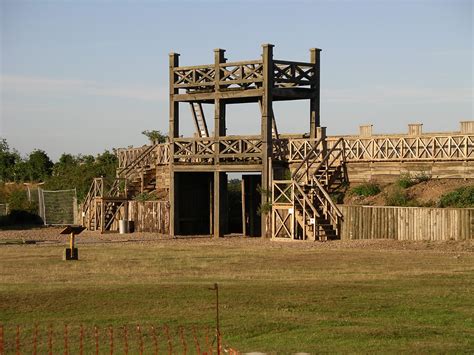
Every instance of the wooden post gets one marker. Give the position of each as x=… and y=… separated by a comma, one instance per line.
x=173, y=133
x=244, y=224
x=315, y=117
x=71, y=245
x=219, y=131
x=266, y=128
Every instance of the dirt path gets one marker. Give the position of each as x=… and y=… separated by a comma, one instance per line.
x=50, y=235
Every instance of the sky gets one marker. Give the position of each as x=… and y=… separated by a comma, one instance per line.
x=84, y=76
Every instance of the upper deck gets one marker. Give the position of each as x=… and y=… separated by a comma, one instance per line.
x=245, y=81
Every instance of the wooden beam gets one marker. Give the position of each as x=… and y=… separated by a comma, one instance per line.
x=173, y=133
x=266, y=127
x=315, y=115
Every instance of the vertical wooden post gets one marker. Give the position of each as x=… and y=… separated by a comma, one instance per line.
x=315, y=118
x=173, y=133
x=219, y=131
x=266, y=128
x=244, y=224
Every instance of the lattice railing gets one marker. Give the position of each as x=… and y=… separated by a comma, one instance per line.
x=390, y=148
x=288, y=74
x=230, y=149
x=193, y=150
x=393, y=148
x=240, y=149
x=194, y=77
x=128, y=155
x=241, y=74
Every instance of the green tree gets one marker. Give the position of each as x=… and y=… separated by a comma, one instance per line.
x=155, y=137
x=8, y=159
x=40, y=166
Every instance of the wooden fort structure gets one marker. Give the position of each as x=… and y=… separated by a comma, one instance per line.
x=288, y=180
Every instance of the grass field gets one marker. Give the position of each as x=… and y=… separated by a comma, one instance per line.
x=285, y=297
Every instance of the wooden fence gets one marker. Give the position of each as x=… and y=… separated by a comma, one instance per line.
x=150, y=216
x=407, y=223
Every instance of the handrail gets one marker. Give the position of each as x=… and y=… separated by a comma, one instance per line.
x=307, y=200
x=138, y=160
x=328, y=155
x=327, y=197
x=305, y=160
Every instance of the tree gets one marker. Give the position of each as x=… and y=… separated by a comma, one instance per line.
x=8, y=159
x=40, y=166
x=155, y=137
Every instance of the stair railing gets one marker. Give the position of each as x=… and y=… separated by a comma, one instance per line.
x=312, y=154
x=131, y=168
x=335, y=154
x=309, y=212
x=328, y=207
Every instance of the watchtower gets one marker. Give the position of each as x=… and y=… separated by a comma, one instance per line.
x=214, y=153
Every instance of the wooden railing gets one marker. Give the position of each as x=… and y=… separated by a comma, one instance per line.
x=406, y=148
x=194, y=77
x=291, y=74
x=297, y=150
x=244, y=74
x=127, y=156
x=332, y=160
x=238, y=149
x=328, y=207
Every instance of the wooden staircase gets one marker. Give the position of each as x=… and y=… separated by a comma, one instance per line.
x=107, y=203
x=302, y=208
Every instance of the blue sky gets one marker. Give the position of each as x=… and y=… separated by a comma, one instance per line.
x=84, y=76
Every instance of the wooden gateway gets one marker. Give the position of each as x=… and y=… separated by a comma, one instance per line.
x=288, y=180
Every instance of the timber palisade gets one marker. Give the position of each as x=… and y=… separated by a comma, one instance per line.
x=288, y=180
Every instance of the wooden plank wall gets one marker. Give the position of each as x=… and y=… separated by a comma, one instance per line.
x=407, y=223
x=150, y=216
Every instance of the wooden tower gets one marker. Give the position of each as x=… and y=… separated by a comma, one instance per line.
x=225, y=83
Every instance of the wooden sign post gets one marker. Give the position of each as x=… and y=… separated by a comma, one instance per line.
x=71, y=253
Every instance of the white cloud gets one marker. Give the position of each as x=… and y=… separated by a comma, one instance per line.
x=40, y=86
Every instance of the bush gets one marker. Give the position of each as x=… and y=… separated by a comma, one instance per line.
x=459, y=198
x=397, y=196
x=367, y=189
x=406, y=180
x=17, y=217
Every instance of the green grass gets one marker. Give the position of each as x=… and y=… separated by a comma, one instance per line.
x=367, y=189
x=274, y=296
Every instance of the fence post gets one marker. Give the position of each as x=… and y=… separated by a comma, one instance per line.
x=17, y=341
x=111, y=339
x=96, y=337
x=125, y=340
x=155, y=339
x=81, y=340
x=35, y=340
x=196, y=341
x=50, y=339
x=2, y=348
x=66, y=341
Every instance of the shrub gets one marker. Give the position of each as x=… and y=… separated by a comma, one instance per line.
x=405, y=181
x=367, y=189
x=397, y=196
x=422, y=176
x=460, y=198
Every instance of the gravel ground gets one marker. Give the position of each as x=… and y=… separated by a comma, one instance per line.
x=50, y=235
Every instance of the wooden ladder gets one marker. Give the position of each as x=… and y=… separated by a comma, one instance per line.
x=199, y=119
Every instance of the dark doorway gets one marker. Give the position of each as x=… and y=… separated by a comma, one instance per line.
x=234, y=203
x=193, y=203
x=251, y=203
